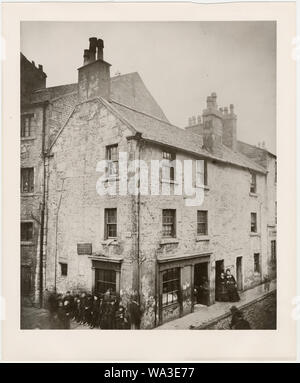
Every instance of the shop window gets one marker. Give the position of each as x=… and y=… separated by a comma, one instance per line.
x=105, y=280
x=170, y=286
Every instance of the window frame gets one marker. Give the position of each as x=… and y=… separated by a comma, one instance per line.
x=202, y=172
x=108, y=224
x=112, y=160
x=173, y=281
x=202, y=222
x=253, y=214
x=105, y=282
x=253, y=183
x=167, y=224
x=29, y=117
x=32, y=232
x=167, y=158
x=30, y=180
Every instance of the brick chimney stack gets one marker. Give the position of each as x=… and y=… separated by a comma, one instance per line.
x=94, y=75
x=212, y=119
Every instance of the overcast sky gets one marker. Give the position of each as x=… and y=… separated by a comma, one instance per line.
x=180, y=63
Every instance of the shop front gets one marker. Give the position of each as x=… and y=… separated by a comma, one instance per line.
x=182, y=283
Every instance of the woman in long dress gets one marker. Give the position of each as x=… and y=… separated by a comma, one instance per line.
x=221, y=288
x=231, y=287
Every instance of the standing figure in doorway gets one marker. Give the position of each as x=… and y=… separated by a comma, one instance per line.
x=231, y=287
x=222, y=295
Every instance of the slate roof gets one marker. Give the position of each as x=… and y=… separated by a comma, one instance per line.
x=132, y=101
x=156, y=130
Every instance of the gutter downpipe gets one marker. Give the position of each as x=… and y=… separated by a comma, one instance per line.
x=41, y=260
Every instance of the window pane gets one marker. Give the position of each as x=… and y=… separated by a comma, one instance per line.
x=26, y=231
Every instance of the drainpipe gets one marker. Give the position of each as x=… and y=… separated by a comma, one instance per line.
x=56, y=231
x=41, y=263
x=138, y=221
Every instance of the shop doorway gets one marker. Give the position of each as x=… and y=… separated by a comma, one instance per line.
x=239, y=273
x=201, y=284
x=219, y=269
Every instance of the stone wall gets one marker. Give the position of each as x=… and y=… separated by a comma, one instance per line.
x=260, y=313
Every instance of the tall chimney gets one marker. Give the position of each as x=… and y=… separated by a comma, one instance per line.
x=93, y=47
x=100, y=46
x=94, y=75
x=212, y=126
x=229, y=128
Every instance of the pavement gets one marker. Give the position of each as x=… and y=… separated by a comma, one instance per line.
x=204, y=314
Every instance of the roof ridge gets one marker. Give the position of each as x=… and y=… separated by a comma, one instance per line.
x=144, y=113
x=156, y=118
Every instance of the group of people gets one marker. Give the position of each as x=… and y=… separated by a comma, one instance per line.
x=227, y=288
x=104, y=311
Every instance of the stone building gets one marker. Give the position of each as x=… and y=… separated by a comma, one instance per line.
x=153, y=245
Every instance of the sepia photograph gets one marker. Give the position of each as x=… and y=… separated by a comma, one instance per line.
x=148, y=175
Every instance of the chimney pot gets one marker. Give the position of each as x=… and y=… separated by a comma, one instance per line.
x=231, y=107
x=40, y=67
x=226, y=110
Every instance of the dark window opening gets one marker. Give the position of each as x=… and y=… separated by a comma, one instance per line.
x=253, y=223
x=170, y=286
x=202, y=224
x=64, y=269
x=26, y=231
x=169, y=222
x=110, y=223
x=27, y=180
x=112, y=157
x=256, y=263
x=273, y=250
